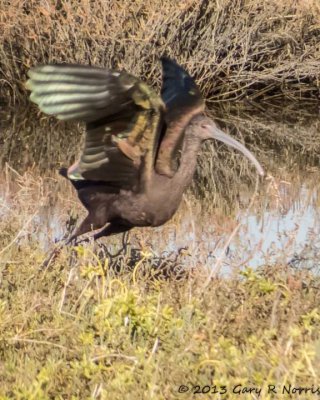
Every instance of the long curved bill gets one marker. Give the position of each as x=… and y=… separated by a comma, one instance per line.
x=228, y=140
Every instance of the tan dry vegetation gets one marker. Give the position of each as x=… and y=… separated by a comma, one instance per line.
x=236, y=48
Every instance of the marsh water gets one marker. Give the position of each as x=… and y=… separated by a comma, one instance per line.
x=228, y=219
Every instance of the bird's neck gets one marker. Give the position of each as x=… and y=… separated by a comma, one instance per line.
x=188, y=161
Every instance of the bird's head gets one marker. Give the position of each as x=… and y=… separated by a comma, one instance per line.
x=204, y=128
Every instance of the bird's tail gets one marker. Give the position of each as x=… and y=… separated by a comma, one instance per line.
x=64, y=172
x=76, y=184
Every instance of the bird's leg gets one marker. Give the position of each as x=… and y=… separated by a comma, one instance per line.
x=53, y=254
x=125, y=239
x=112, y=229
x=87, y=225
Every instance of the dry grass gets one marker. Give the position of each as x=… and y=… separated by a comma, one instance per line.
x=237, y=49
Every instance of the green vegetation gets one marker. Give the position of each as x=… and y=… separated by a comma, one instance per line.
x=86, y=331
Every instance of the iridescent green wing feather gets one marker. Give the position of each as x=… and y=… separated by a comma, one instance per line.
x=122, y=116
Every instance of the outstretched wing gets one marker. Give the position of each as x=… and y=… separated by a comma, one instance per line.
x=122, y=115
x=183, y=101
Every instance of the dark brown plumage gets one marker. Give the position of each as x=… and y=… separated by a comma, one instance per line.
x=140, y=150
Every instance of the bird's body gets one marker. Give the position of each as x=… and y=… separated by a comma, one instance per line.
x=131, y=209
x=141, y=149
x=127, y=209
